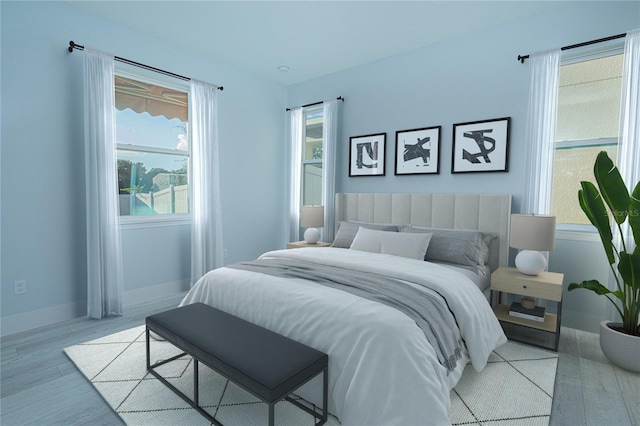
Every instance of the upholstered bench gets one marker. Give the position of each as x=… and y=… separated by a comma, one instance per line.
x=264, y=363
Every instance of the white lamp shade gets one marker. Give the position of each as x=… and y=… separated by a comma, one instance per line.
x=533, y=232
x=311, y=216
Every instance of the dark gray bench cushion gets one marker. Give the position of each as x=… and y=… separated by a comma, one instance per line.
x=267, y=364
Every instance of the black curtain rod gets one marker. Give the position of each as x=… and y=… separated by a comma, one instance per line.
x=340, y=98
x=586, y=43
x=73, y=45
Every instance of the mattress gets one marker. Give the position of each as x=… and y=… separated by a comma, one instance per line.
x=382, y=368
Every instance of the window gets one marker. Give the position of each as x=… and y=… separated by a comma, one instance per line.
x=587, y=123
x=152, y=148
x=312, y=152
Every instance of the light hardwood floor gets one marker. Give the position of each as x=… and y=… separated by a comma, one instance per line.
x=40, y=386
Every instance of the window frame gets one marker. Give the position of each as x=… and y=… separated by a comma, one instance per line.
x=572, y=231
x=305, y=113
x=167, y=219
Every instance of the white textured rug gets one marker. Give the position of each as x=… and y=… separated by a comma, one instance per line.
x=515, y=388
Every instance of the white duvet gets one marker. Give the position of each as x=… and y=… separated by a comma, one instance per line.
x=382, y=369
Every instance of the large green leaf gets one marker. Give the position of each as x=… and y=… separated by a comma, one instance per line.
x=593, y=285
x=612, y=187
x=634, y=213
x=592, y=205
x=629, y=268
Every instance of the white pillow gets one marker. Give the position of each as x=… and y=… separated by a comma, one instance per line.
x=348, y=230
x=413, y=246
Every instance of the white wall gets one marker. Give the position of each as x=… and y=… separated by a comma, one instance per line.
x=43, y=222
x=581, y=257
x=471, y=78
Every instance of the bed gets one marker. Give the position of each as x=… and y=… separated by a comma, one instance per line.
x=390, y=362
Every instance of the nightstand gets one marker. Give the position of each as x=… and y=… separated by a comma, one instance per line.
x=301, y=244
x=547, y=285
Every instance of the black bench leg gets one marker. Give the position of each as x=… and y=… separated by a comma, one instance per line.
x=271, y=414
x=196, y=394
x=148, y=350
x=325, y=394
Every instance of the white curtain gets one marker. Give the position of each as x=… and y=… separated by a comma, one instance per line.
x=628, y=160
x=629, y=138
x=105, y=287
x=295, y=175
x=540, y=132
x=330, y=135
x=206, y=227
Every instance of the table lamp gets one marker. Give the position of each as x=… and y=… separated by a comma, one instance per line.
x=532, y=234
x=312, y=218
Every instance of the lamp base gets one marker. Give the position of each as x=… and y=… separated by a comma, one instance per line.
x=530, y=262
x=312, y=235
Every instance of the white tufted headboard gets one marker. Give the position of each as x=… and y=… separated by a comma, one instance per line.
x=489, y=213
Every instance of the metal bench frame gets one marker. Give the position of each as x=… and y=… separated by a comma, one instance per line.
x=195, y=403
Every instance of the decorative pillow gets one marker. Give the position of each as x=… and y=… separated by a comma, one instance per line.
x=348, y=230
x=458, y=246
x=493, y=242
x=413, y=246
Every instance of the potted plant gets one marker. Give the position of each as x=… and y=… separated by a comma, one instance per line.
x=620, y=342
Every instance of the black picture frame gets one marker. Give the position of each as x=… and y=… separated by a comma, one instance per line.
x=418, y=151
x=367, y=155
x=481, y=146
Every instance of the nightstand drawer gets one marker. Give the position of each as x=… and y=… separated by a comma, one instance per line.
x=547, y=285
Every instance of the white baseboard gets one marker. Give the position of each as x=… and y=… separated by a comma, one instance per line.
x=146, y=294
x=42, y=317
x=581, y=321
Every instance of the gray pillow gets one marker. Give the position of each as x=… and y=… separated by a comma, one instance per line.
x=348, y=230
x=458, y=246
x=410, y=245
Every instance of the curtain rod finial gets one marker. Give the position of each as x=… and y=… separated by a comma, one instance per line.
x=73, y=45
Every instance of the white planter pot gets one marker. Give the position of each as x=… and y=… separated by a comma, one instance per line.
x=621, y=349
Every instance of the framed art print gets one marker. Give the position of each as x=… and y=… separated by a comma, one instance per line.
x=366, y=155
x=418, y=151
x=481, y=146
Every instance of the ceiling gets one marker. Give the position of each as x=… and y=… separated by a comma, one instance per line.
x=312, y=38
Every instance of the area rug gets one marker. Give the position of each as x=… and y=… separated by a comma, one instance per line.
x=515, y=388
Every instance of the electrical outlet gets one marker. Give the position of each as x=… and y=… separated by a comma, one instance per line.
x=225, y=253
x=19, y=287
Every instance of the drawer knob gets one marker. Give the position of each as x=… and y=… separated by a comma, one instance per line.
x=524, y=286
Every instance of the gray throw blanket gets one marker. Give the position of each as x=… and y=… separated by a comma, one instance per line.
x=426, y=307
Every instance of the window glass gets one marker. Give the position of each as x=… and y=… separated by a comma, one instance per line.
x=587, y=123
x=152, y=183
x=313, y=136
x=589, y=99
x=571, y=166
x=152, y=148
x=312, y=184
x=146, y=130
